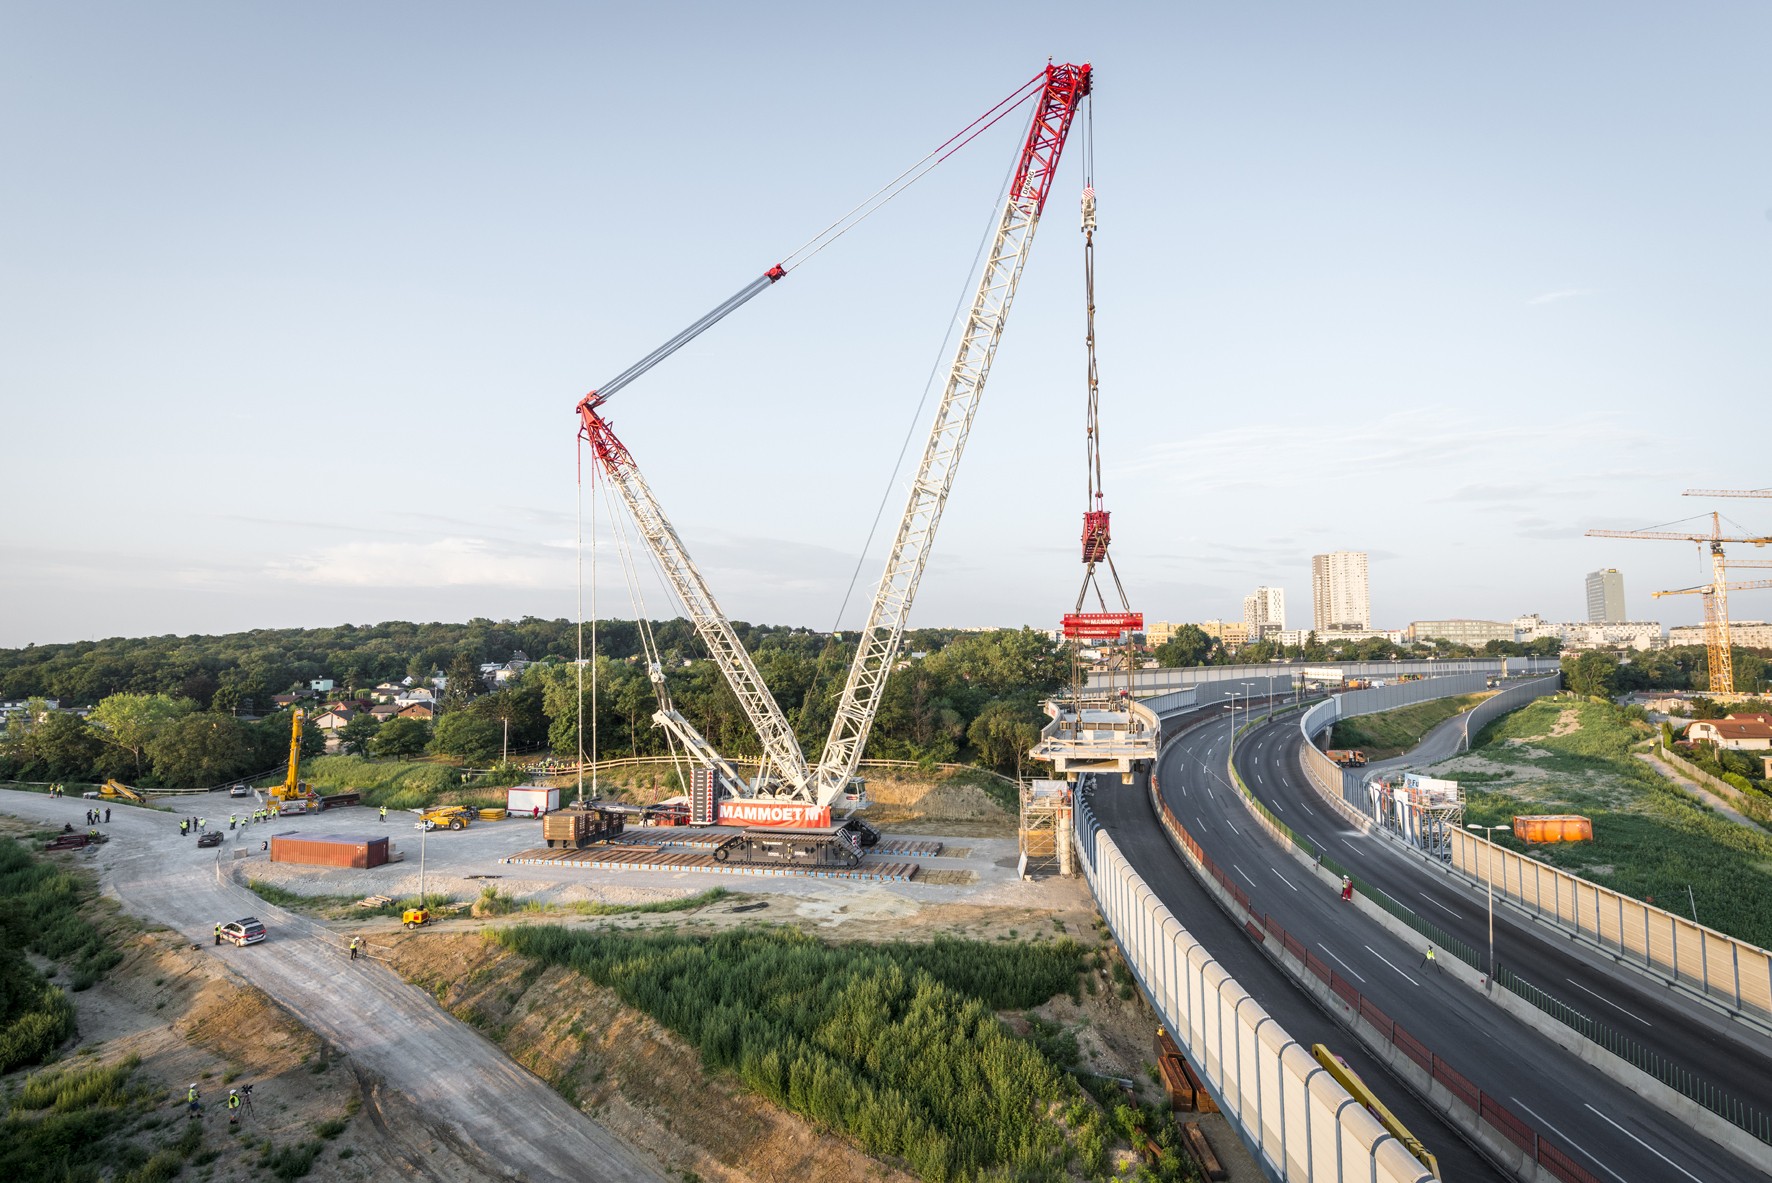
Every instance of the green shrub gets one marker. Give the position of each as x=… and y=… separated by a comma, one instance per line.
x=896, y=1045
x=292, y=1161
x=79, y=1088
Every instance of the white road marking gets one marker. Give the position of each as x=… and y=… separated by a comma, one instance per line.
x=1387, y=961
x=1284, y=880
x=1664, y=1158
x=1309, y=806
x=1559, y=1133
x=1232, y=825
x=1610, y=1003
x=1349, y=841
x=1344, y=965
x=1436, y=903
x=1246, y=878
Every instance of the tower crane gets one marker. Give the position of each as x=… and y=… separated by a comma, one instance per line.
x=1716, y=593
x=786, y=776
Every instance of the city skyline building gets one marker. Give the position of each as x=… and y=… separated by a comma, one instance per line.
x=1605, y=596
x=1341, y=600
x=1264, y=612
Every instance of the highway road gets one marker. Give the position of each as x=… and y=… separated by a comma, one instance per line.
x=1611, y=1131
x=1125, y=812
x=1686, y=1034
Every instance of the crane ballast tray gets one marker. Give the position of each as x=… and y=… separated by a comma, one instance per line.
x=799, y=793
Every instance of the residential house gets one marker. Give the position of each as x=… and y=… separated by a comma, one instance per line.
x=283, y=701
x=381, y=712
x=322, y=685
x=334, y=719
x=415, y=694
x=1737, y=733
x=417, y=710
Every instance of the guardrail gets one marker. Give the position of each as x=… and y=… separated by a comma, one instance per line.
x=1715, y=964
x=1298, y=1121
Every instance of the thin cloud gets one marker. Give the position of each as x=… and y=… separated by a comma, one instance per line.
x=1559, y=294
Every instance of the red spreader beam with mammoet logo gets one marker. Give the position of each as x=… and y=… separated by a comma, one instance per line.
x=1102, y=626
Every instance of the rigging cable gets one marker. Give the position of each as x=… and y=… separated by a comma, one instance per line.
x=812, y=246
x=966, y=289
x=579, y=665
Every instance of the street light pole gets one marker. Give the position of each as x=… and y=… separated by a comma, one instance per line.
x=1489, y=882
x=421, y=864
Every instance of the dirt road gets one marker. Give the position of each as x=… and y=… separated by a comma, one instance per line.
x=487, y=1108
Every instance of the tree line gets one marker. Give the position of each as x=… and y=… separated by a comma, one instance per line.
x=1192, y=645
x=954, y=697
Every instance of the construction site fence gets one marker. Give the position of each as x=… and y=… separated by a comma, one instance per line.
x=1287, y=1108
x=1160, y=681
x=1674, y=947
x=1267, y=932
x=1744, y=979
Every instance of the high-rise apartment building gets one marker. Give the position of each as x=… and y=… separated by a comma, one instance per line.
x=1605, y=597
x=1339, y=596
x=1264, y=612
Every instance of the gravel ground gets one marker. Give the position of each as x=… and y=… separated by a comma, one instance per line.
x=451, y=857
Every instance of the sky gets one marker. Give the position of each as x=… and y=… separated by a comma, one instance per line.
x=297, y=301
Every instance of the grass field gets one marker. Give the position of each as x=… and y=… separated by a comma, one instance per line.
x=1651, y=840
x=1391, y=733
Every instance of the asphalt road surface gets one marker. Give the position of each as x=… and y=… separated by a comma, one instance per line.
x=1696, y=1039
x=1612, y=1131
x=1125, y=812
x=476, y=1098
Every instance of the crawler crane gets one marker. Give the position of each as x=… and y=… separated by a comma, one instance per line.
x=789, y=790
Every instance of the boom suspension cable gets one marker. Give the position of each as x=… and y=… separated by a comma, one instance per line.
x=818, y=242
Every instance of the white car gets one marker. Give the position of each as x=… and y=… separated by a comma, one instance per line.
x=247, y=931
x=239, y=791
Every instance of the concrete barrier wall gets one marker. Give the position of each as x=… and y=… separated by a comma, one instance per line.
x=1299, y=1123
x=1511, y=699
x=1344, y=786
x=1147, y=682
x=1733, y=972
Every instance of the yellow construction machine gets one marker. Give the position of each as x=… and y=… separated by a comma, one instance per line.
x=292, y=794
x=414, y=917
x=117, y=789
x=453, y=817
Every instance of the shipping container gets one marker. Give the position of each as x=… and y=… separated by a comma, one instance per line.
x=329, y=850
x=1553, y=828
